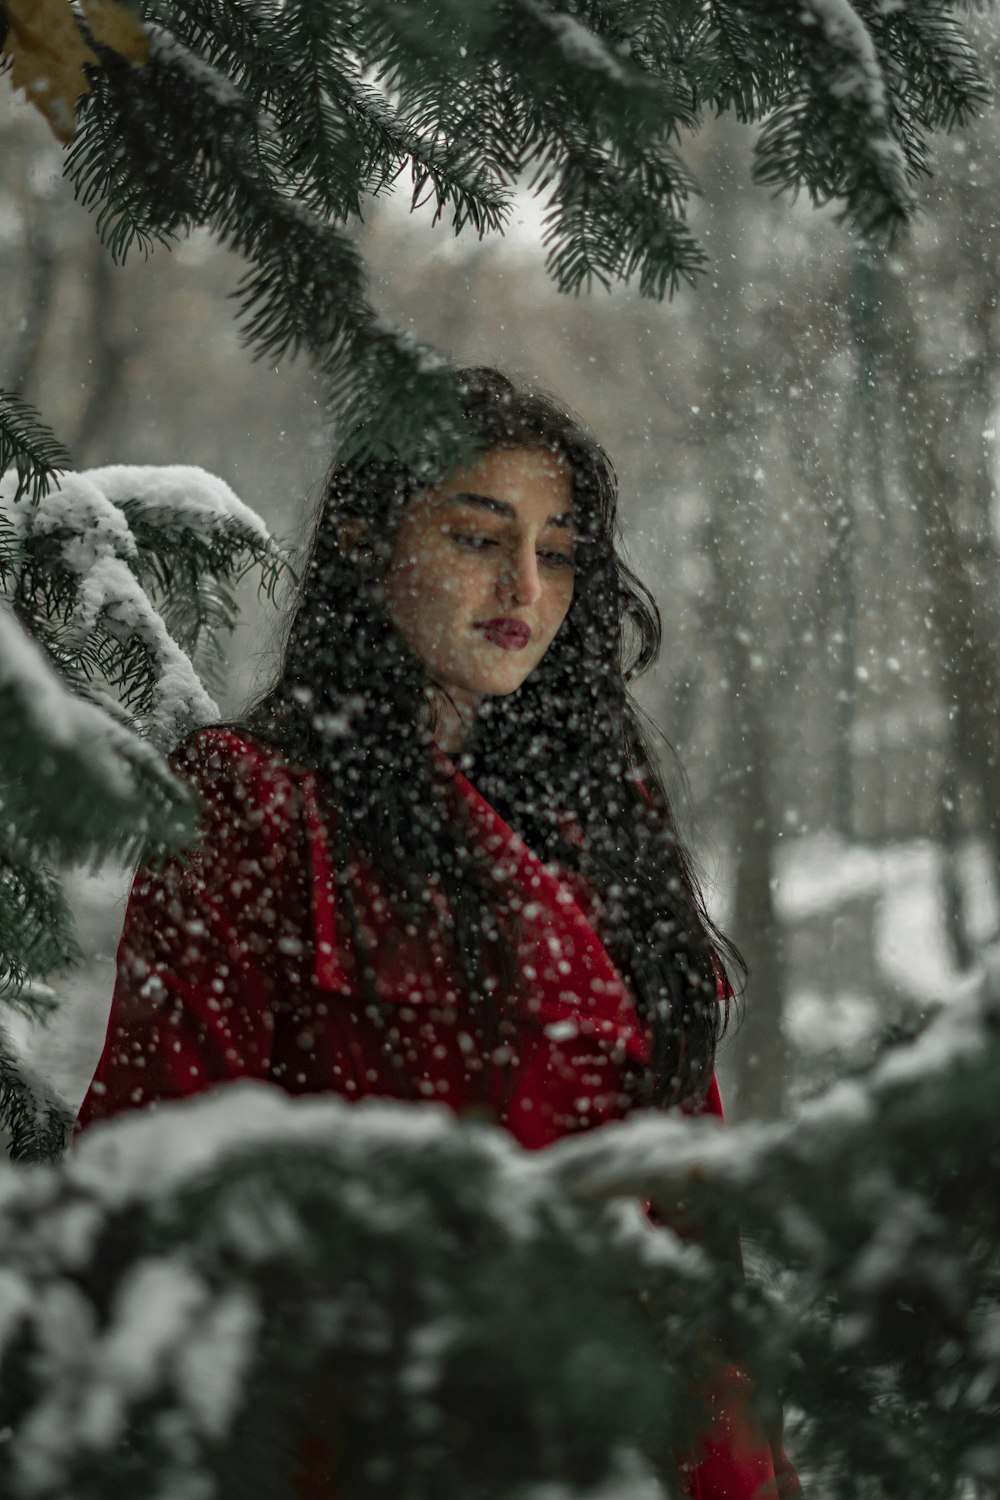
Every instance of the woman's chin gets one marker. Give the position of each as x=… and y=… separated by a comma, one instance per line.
x=496, y=679
x=500, y=684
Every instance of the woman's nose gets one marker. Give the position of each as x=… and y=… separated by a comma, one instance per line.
x=519, y=580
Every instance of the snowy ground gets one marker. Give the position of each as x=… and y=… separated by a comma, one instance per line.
x=896, y=890
x=825, y=887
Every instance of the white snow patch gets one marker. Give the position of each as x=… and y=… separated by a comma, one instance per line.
x=178, y=496
x=819, y=1023
x=578, y=43
x=212, y=1361
x=821, y=873
x=97, y=546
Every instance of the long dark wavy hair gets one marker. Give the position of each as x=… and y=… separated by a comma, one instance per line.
x=565, y=759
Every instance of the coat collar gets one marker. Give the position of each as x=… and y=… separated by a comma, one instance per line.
x=574, y=989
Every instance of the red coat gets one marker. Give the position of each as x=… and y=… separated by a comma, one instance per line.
x=236, y=966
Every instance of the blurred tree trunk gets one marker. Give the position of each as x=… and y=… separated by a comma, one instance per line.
x=937, y=431
x=761, y=1056
x=107, y=355
x=29, y=329
x=735, y=611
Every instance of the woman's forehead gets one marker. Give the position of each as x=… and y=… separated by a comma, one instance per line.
x=515, y=475
x=508, y=510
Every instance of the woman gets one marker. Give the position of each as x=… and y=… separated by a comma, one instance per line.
x=438, y=860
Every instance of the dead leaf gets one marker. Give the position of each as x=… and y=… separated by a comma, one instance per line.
x=117, y=27
x=48, y=53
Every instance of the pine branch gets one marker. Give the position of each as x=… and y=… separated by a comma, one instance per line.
x=194, y=541
x=271, y=124
x=733, y=63
x=37, y=1120
x=304, y=290
x=862, y=92
x=340, y=1236
x=78, y=587
x=9, y=549
x=77, y=782
x=888, y=1282
x=944, y=85
x=28, y=446
x=934, y=72
x=280, y=1246
x=457, y=173
x=191, y=580
x=604, y=225
x=36, y=929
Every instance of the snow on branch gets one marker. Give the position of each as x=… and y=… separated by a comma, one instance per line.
x=75, y=777
x=132, y=569
x=110, y=586
x=341, y=1235
x=91, y=540
x=657, y=1156
x=208, y=1264
x=195, y=540
x=840, y=132
x=860, y=75
x=180, y=498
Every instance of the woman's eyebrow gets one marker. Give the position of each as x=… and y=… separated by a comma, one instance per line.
x=503, y=508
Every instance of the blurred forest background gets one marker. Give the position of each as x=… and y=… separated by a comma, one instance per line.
x=806, y=450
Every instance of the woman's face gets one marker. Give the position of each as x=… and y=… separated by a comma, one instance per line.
x=481, y=575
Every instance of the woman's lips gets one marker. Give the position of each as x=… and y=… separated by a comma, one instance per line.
x=511, y=635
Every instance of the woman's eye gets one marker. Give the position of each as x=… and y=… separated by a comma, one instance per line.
x=474, y=542
x=557, y=559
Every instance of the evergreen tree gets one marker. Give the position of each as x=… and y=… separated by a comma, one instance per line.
x=114, y=585
x=195, y=1288
x=271, y=124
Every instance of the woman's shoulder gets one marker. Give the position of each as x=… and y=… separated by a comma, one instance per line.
x=235, y=773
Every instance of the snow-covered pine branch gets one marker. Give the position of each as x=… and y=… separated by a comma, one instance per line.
x=108, y=583
x=674, y=1158
x=194, y=541
x=245, y=1249
x=76, y=576
x=245, y=1246
x=77, y=782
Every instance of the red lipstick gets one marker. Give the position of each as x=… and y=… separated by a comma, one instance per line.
x=510, y=635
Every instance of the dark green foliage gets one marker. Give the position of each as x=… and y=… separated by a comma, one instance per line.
x=36, y=1120
x=98, y=791
x=902, y=1347
x=272, y=125
x=101, y=601
x=31, y=448
x=877, y=1217
x=854, y=131
x=460, y=1318
x=189, y=576
x=398, y=1284
x=36, y=930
